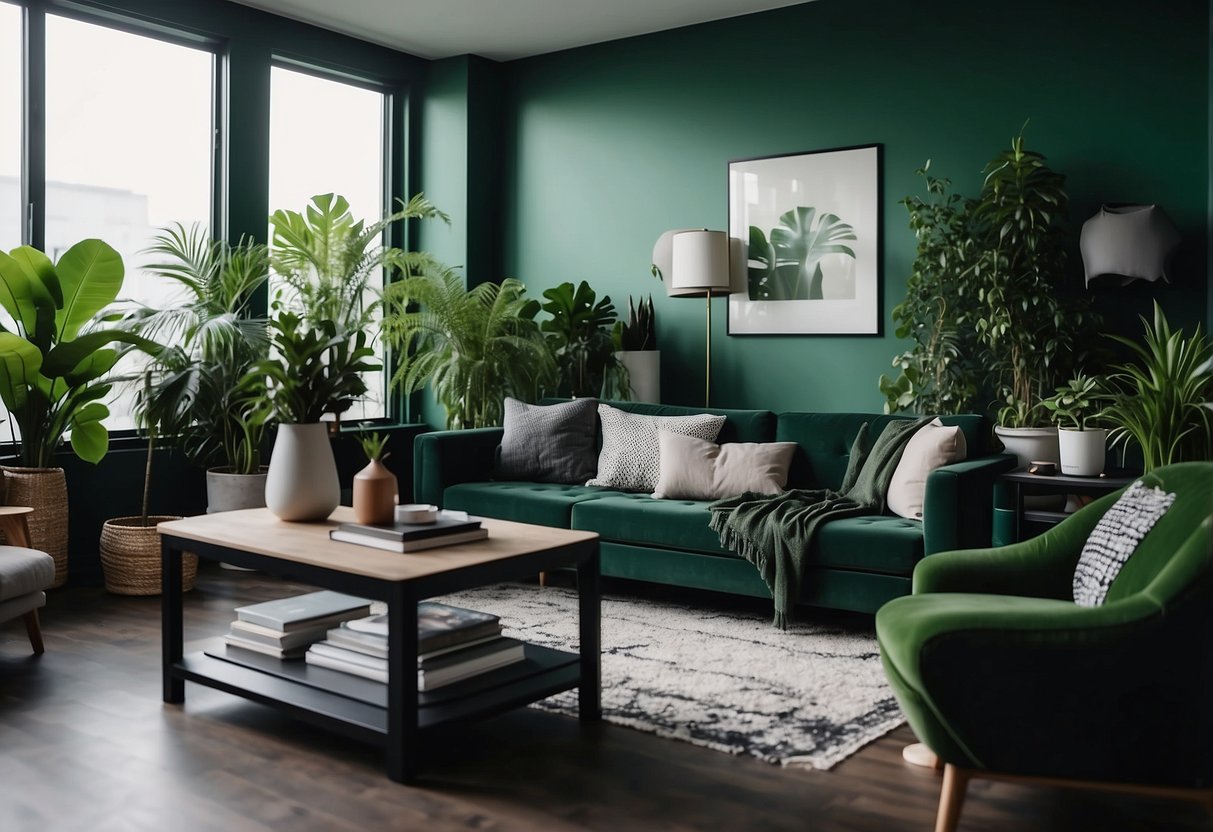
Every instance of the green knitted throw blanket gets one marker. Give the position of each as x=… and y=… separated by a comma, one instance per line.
x=775, y=532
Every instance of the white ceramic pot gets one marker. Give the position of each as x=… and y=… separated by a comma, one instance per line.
x=644, y=373
x=1030, y=444
x=1082, y=451
x=302, y=483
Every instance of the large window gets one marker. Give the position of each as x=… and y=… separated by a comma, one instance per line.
x=11, y=213
x=129, y=149
x=327, y=137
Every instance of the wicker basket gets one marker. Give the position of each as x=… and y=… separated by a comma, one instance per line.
x=130, y=557
x=45, y=491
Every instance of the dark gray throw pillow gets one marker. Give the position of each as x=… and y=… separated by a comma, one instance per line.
x=549, y=443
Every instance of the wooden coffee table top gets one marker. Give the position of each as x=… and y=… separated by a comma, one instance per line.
x=257, y=530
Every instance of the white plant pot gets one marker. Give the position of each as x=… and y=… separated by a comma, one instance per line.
x=302, y=483
x=1030, y=444
x=644, y=373
x=1082, y=451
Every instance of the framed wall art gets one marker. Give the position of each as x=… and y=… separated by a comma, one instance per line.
x=811, y=224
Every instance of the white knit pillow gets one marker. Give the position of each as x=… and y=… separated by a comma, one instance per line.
x=932, y=446
x=1115, y=538
x=630, y=459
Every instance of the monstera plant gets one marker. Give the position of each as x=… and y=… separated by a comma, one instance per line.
x=56, y=351
x=579, y=336
x=790, y=261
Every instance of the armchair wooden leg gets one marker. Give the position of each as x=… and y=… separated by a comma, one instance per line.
x=543, y=578
x=951, y=798
x=34, y=629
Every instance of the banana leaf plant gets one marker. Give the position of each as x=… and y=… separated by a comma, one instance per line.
x=56, y=351
x=790, y=261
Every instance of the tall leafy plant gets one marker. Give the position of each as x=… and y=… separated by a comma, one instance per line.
x=194, y=393
x=987, y=304
x=639, y=332
x=1161, y=400
x=331, y=265
x=1031, y=328
x=473, y=347
x=578, y=333
x=937, y=374
x=57, y=349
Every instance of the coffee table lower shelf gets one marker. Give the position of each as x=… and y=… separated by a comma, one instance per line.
x=358, y=708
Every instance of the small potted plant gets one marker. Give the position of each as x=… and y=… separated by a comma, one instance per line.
x=374, y=485
x=1072, y=407
x=636, y=340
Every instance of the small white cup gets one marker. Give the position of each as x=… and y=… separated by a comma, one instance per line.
x=416, y=513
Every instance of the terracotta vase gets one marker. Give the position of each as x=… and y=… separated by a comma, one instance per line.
x=375, y=495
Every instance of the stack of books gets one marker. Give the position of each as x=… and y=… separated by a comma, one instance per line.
x=286, y=627
x=447, y=530
x=453, y=644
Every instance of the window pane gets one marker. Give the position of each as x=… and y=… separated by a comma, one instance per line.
x=128, y=149
x=10, y=127
x=327, y=137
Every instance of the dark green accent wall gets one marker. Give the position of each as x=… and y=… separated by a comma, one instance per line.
x=610, y=145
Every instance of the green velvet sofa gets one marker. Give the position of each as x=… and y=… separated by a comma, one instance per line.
x=858, y=563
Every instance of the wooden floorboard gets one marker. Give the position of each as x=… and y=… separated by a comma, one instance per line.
x=86, y=744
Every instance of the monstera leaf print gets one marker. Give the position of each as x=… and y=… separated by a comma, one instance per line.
x=789, y=265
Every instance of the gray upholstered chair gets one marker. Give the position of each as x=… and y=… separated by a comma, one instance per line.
x=24, y=574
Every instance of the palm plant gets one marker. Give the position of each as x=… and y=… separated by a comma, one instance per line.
x=473, y=346
x=194, y=392
x=1161, y=402
x=331, y=263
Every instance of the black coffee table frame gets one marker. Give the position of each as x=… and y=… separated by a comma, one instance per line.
x=399, y=726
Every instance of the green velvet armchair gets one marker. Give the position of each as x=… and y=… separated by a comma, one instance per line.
x=1003, y=676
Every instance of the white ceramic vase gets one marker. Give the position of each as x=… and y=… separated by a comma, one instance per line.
x=302, y=483
x=1082, y=451
x=644, y=373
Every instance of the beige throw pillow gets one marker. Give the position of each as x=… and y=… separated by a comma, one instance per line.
x=933, y=446
x=695, y=469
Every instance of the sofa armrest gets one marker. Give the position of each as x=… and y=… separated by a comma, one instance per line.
x=958, y=506
x=445, y=458
x=1041, y=567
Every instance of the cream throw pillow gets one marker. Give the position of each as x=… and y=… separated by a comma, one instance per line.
x=695, y=469
x=933, y=446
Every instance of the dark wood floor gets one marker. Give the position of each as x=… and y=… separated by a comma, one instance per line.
x=86, y=744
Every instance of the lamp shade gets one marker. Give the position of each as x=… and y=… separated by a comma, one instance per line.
x=699, y=264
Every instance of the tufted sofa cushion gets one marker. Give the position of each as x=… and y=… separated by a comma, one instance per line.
x=541, y=503
x=641, y=520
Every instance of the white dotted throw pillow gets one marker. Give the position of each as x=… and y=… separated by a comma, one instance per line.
x=630, y=459
x=1114, y=538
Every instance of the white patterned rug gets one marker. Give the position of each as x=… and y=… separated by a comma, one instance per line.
x=727, y=680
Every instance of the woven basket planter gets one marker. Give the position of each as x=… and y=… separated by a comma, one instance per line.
x=130, y=557
x=45, y=491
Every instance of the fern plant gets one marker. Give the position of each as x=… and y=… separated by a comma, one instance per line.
x=473, y=347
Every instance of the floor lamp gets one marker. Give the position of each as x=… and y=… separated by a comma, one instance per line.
x=699, y=267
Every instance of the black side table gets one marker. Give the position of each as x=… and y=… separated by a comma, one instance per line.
x=1012, y=519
